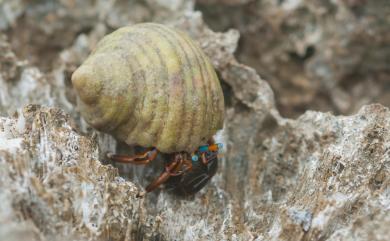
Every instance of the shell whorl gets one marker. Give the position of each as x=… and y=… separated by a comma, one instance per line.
x=151, y=85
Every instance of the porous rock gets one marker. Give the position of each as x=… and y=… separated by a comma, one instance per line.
x=53, y=185
x=318, y=177
x=322, y=55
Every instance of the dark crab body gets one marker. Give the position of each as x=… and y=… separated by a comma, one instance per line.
x=184, y=174
x=193, y=181
x=150, y=85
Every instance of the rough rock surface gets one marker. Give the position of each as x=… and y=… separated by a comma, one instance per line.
x=322, y=55
x=318, y=177
x=54, y=185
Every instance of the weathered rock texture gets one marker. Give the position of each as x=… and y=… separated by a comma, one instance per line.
x=54, y=185
x=319, y=177
x=322, y=55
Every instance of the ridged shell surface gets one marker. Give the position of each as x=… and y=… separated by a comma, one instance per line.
x=152, y=86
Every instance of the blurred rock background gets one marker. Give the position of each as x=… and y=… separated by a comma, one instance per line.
x=315, y=176
x=320, y=55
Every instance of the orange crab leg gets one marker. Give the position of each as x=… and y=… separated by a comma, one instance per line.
x=140, y=159
x=174, y=168
x=169, y=168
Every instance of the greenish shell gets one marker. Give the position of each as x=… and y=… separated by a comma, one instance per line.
x=152, y=86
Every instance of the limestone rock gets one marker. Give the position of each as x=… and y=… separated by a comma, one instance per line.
x=317, y=177
x=321, y=55
x=54, y=185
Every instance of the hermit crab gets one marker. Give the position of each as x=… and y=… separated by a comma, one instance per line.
x=150, y=85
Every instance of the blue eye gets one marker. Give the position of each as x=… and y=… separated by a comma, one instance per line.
x=195, y=158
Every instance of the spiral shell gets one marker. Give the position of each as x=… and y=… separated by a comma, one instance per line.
x=151, y=85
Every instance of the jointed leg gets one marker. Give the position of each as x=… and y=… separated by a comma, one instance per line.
x=140, y=159
x=207, y=152
x=185, y=166
x=174, y=168
x=211, y=156
x=203, y=157
x=176, y=163
x=188, y=165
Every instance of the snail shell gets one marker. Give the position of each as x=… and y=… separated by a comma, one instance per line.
x=150, y=85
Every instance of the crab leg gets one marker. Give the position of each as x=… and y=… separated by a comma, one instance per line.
x=169, y=168
x=140, y=159
x=174, y=168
